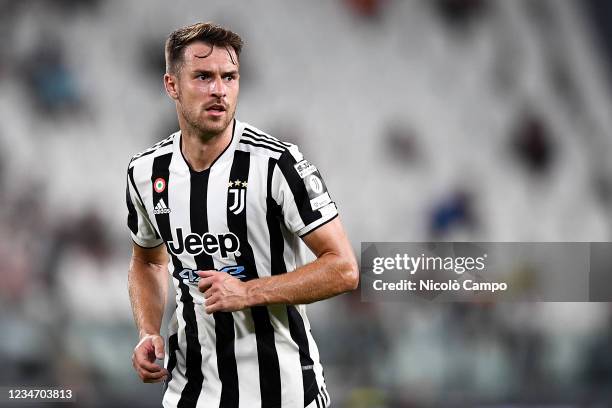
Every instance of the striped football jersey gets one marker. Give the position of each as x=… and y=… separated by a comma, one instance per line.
x=245, y=215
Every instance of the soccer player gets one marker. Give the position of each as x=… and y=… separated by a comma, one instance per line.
x=233, y=208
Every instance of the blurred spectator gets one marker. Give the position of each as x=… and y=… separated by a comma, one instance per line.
x=51, y=82
x=452, y=213
x=366, y=9
x=532, y=144
x=90, y=234
x=153, y=59
x=401, y=144
x=460, y=13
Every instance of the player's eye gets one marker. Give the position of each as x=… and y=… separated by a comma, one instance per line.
x=230, y=77
x=202, y=77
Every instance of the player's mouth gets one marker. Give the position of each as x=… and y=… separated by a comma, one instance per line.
x=216, y=109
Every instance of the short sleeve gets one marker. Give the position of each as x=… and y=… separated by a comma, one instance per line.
x=300, y=192
x=142, y=230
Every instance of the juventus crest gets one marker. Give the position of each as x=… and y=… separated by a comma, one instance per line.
x=236, y=196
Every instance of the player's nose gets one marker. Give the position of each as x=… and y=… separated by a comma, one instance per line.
x=217, y=87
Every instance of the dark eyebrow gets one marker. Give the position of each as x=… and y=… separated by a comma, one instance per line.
x=200, y=72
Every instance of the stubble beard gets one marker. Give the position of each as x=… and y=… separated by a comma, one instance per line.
x=207, y=129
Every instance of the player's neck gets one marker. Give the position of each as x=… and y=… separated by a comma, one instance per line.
x=200, y=152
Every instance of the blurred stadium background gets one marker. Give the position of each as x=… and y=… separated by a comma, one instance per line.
x=430, y=119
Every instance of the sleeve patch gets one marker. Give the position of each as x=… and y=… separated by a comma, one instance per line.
x=317, y=191
x=304, y=168
x=320, y=201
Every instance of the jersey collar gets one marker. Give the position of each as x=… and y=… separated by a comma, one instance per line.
x=179, y=164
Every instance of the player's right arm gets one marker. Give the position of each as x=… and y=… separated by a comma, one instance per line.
x=147, y=282
x=148, y=287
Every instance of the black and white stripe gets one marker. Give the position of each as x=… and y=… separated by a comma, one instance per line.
x=269, y=371
x=253, y=138
x=263, y=356
x=191, y=390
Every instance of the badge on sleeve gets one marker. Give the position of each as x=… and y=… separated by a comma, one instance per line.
x=304, y=168
x=317, y=191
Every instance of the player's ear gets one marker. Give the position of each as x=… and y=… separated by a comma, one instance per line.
x=171, y=85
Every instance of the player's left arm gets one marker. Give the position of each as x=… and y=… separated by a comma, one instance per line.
x=333, y=272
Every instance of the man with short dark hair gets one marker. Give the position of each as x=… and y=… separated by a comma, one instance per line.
x=233, y=207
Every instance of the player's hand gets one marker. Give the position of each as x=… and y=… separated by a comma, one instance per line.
x=150, y=348
x=223, y=292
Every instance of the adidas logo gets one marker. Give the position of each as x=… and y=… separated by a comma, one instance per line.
x=161, y=208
